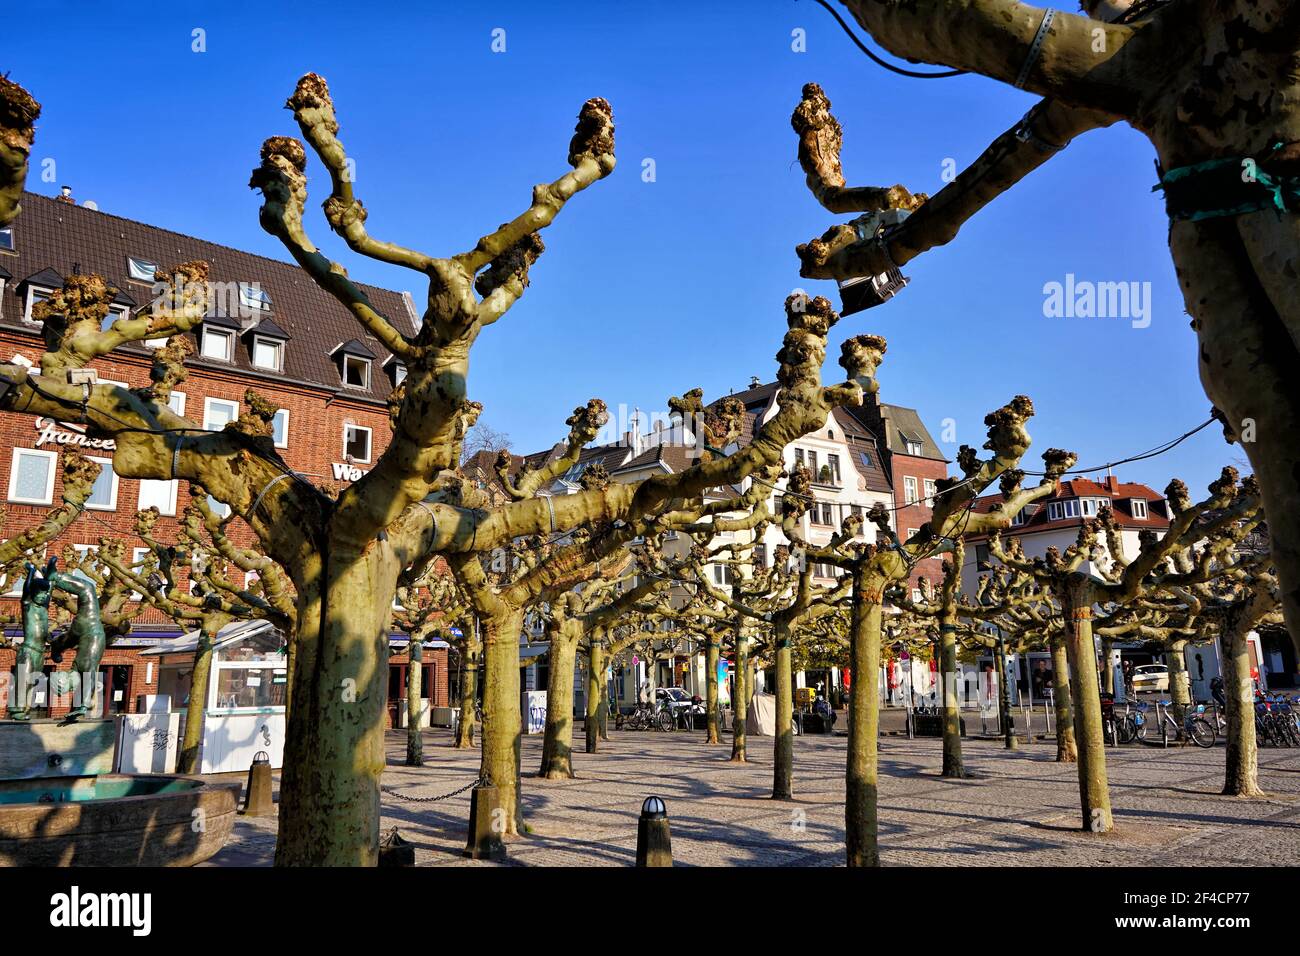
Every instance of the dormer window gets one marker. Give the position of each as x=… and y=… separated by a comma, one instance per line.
x=268, y=353
x=356, y=371
x=354, y=360
x=218, y=343
x=141, y=270
x=1138, y=507
x=396, y=370
x=7, y=238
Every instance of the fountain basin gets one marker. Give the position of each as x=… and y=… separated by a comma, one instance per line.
x=114, y=820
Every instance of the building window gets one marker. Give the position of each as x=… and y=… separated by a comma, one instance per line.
x=218, y=413
x=760, y=556
x=798, y=456
x=356, y=371
x=1138, y=507
x=930, y=490
x=176, y=402
x=268, y=353
x=723, y=574
x=827, y=517
x=812, y=464
x=399, y=373
x=833, y=462
x=33, y=296
x=280, y=428
x=158, y=493
x=981, y=557
x=220, y=509
x=865, y=459
x=1020, y=516
x=142, y=270
x=356, y=443
x=103, y=494
x=137, y=565
x=914, y=448
x=7, y=238
x=909, y=491
x=85, y=551
x=31, y=476
x=217, y=344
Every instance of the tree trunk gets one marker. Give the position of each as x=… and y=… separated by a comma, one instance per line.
x=501, y=718
x=1094, y=794
x=1108, y=670
x=783, y=753
x=952, y=759
x=1005, y=717
x=414, y=673
x=740, y=701
x=1180, y=681
x=712, y=654
x=334, y=750
x=1241, y=766
x=1066, y=750
x=595, y=693
x=468, y=696
x=196, y=708
x=861, y=826
x=557, y=743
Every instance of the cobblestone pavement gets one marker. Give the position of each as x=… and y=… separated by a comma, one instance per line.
x=1018, y=807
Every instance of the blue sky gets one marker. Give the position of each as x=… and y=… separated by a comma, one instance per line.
x=647, y=288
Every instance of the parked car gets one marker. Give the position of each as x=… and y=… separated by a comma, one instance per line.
x=1151, y=677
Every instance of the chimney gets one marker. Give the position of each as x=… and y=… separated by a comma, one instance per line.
x=1112, y=484
x=65, y=195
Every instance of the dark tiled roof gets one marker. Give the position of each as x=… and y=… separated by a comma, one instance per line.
x=861, y=442
x=271, y=330
x=57, y=237
x=352, y=347
x=904, y=425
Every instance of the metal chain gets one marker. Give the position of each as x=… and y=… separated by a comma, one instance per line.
x=401, y=796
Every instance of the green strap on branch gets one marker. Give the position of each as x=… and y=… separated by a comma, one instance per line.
x=1233, y=186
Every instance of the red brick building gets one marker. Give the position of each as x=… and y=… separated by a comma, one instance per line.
x=270, y=329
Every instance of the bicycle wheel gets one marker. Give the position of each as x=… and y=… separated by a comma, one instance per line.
x=1202, y=734
x=665, y=721
x=1126, y=730
x=1140, y=726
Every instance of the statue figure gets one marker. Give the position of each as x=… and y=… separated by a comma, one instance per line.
x=86, y=633
x=36, y=635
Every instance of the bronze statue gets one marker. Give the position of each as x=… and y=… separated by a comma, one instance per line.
x=86, y=633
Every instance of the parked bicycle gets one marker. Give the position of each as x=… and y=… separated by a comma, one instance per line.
x=1277, y=720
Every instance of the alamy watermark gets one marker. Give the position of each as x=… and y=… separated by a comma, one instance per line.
x=1085, y=299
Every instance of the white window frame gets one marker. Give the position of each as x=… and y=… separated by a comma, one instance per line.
x=915, y=448
x=1053, y=511
x=138, y=555
x=931, y=489
x=365, y=364
x=227, y=334
x=29, y=300
x=273, y=343
x=83, y=550
x=1139, y=508
x=113, y=485
x=285, y=413
x=399, y=373
x=52, y=457
x=370, y=443
x=909, y=490
x=172, y=486
x=207, y=411
x=9, y=231
x=177, y=406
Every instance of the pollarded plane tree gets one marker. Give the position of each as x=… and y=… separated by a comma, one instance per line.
x=1185, y=608
x=344, y=555
x=573, y=617
x=208, y=603
x=1078, y=586
x=1213, y=88
x=873, y=567
x=1030, y=618
x=783, y=599
x=956, y=615
x=427, y=604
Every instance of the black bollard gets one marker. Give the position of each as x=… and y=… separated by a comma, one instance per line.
x=484, y=840
x=654, y=845
x=394, y=851
x=257, y=799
